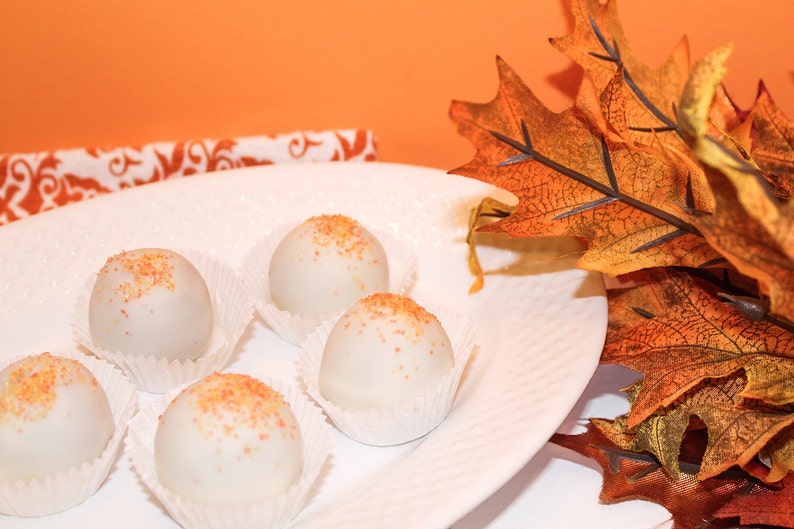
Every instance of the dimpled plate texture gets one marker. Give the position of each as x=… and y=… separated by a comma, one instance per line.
x=542, y=324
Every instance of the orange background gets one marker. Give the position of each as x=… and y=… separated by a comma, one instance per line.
x=108, y=73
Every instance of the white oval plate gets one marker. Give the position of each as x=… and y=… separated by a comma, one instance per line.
x=543, y=324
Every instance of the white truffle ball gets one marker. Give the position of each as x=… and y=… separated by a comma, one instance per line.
x=385, y=349
x=54, y=416
x=325, y=263
x=151, y=301
x=228, y=438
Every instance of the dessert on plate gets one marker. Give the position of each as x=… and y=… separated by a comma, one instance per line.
x=54, y=415
x=303, y=273
x=387, y=370
x=227, y=438
x=230, y=450
x=326, y=263
x=382, y=351
x=151, y=301
x=164, y=317
x=62, y=418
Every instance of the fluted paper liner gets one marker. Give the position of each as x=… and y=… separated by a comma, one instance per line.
x=401, y=422
x=268, y=513
x=294, y=327
x=232, y=309
x=61, y=491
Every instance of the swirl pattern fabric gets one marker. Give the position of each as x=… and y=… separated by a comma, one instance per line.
x=35, y=182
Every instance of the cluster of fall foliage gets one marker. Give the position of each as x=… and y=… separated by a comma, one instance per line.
x=666, y=179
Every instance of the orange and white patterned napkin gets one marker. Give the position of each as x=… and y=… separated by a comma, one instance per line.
x=35, y=182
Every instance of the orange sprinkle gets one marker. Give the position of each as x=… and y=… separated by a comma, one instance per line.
x=393, y=308
x=149, y=269
x=338, y=232
x=230, y=401
x=29, y=391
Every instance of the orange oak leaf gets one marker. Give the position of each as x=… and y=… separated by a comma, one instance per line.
x=646, y=114
x=755, y=232
x=774, y=508
x=599, y=45
x=772, y=137
x=737, y=429
x=630, y=475
x=749, y=224
x=726, y=119
x=677, y=332
x=575, y=176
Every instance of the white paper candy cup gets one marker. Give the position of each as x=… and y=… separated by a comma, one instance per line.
x=270, y=512
x=232, y=309
x=292, y=327
x=402, y=422
x=63, y=490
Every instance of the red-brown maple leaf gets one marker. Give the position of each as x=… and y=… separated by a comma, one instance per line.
x=773, y=507
x=629, y=475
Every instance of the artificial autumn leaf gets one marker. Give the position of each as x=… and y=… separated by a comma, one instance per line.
x=780, y=452
x=763, y=135
x=747, y=242
x=652, y=168
x=729, y=121
x=678, y=333
x=772, y=138
x=748, y=225
x=775, y=507
x=488, y=207
x=599, y=45
x=737, y=430
x=573, y=178
x=629, y=475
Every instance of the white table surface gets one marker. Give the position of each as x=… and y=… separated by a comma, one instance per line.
x=559, y=488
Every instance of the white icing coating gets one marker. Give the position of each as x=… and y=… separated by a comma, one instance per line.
x=384, y=350
x=228, y=438
x=54, y=416
x=325, y=263
x=151, y=301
